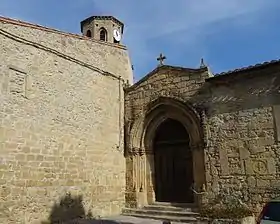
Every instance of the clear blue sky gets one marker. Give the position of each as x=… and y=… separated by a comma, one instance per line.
x=228, y=34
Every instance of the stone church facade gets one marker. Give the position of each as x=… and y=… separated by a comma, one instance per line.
x=72, y=122
x=191, y=136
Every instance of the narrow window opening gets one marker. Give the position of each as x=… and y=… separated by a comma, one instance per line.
x=103, y=34
x=88, y=34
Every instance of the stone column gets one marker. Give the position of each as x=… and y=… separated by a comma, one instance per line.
x=141, y=185
x=150, y=174
x=201, y=154
x=130, y=197
x=199, y=172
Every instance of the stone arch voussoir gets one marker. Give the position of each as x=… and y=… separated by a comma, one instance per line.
x=164, y=108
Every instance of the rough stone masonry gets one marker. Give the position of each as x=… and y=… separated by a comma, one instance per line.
x=233, y=125
x=61, y=121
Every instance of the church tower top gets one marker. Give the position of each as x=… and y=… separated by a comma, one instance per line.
x=104, y=28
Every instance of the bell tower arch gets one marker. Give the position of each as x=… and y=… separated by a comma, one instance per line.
x=103, y=28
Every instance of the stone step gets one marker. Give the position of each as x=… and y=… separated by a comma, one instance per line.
x=182, y=219
x=174, y=204
x=125, y=219
x=174, y=212
x=158, y=212
x=170, y=208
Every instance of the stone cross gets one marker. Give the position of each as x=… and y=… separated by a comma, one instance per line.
x=260, y=167
x=161, y=58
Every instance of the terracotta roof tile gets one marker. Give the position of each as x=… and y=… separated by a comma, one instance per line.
x=259, y=65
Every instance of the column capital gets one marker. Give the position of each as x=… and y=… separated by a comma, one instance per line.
x=197, y=146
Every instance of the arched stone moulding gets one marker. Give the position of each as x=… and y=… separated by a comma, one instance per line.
x=141, y=145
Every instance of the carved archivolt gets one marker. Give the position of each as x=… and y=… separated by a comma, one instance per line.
x=141, y=135
x=143, y=129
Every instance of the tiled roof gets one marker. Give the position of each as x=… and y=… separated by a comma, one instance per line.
x=256, y=66
x=43, y=28
x=36, y=26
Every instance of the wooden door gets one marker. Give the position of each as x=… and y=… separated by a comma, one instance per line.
x=173, y=164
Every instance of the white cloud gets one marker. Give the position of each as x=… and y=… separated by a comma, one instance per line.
x=165, y=17
x=180, y=24
x=183, y=22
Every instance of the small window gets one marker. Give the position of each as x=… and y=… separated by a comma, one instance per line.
x=88, y=34
x=103, y=34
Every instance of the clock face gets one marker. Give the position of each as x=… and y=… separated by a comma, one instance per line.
x=117, y=35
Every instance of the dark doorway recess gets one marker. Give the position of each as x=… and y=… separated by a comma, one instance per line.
x=173, y=163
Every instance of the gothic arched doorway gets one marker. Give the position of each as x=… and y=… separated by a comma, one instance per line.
x=173, y=162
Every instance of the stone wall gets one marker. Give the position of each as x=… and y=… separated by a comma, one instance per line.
x=164, y=82
x=242, y=153
x=61, y=126
x=167, y=81
x=239, y=117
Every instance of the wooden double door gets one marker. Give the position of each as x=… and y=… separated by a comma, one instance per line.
x=173, y=164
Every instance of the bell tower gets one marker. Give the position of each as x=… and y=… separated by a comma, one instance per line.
x=103, y=28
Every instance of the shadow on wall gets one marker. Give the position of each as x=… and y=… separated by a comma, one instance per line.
x=70, y=210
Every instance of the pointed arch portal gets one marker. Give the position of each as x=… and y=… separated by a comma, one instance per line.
x=166, y=154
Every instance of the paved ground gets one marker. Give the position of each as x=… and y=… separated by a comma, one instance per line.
x=134, y=220
x=119, y=220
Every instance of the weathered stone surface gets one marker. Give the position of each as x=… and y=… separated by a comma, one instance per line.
x=241, y=149
x=165, y=82
x=60, y=123
x=249, y=137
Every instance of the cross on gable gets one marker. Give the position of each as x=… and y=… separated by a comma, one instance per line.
x=161, y=58
x=202, y=64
